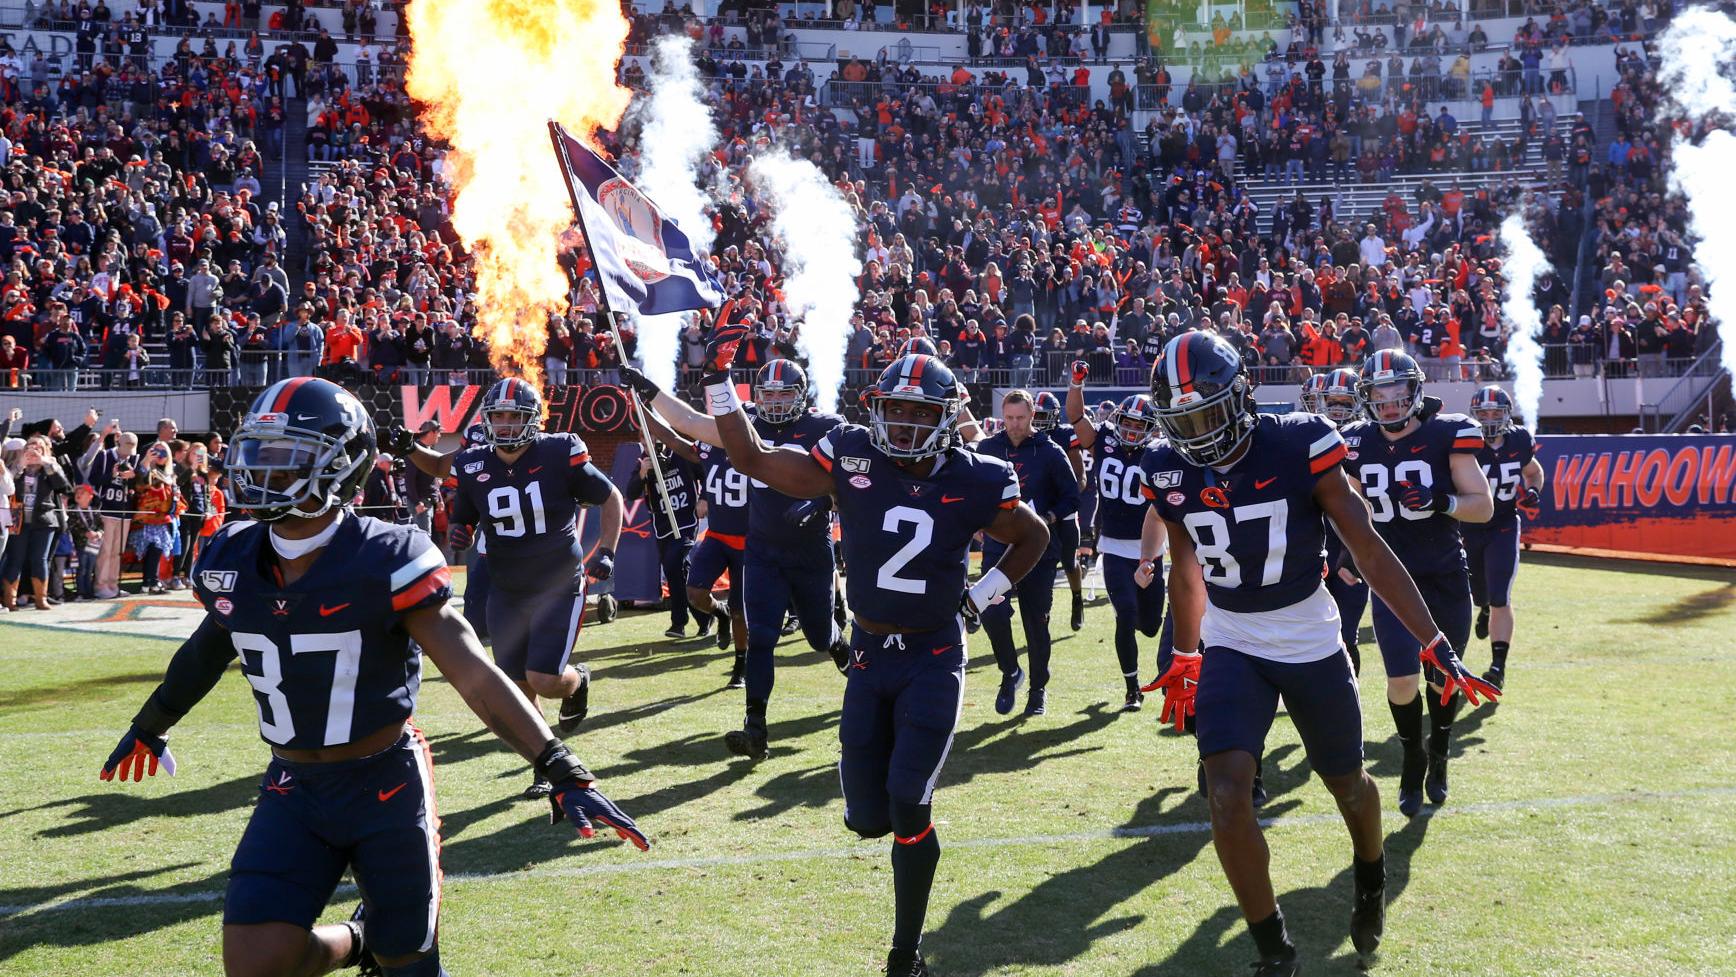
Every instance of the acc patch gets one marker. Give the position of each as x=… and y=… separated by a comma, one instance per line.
x=473, y=468
x=218, y=581
x=223, y=605
x=850, y=464
x=1175, y=498
x=482, y=477
x=860, y=481
x=1351, y=455
x=1169, y=479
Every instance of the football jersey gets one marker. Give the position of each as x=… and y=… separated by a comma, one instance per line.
x=725, y=491
x=327, y=656
x=1425, y=542
x=907, y=539
x=1119, y=482
x=767, y=528
x=1504, y=467
x=526, y=510
x=1045, y=475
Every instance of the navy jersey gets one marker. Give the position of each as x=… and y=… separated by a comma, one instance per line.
x=907, y=539
x=526, y=510
x=1425, y=542
x=1256, y=529
x=1119, y=482
x=1045, y=475
x=1063, y=435
x=1504, y=467
x=766, y=506
x=327, y=656
x=725, y=491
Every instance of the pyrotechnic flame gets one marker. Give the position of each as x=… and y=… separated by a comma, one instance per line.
x=489, y=74
x=1522, y=263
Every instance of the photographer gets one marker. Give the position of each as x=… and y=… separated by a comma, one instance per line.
x=111, y=476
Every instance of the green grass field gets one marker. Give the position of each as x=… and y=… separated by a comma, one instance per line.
x=1588, y=831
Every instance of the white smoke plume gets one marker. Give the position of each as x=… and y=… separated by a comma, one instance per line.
x=677, y=133
x=815, y=235
x=1522, y=263
x=1698, y=44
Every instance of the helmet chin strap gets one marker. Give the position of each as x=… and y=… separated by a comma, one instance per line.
x=291, y=549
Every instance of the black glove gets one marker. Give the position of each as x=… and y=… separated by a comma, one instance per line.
x=1418, y=497
x=574, y=797
x=639, y=383
x=399, y=440
x=806, y=513
x=459, y=536
x=602, y=564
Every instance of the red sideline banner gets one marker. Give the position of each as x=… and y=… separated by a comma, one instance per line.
x=1652, y=494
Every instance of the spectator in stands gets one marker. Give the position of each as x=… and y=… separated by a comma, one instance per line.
x=14, y=363
x=40, y=487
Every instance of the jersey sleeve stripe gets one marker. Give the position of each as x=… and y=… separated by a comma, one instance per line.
x=1327, y=442
x=1470, y=432
x=429, y=585
x=1009, y=504
x=1468, y=444
x=1010, y=492
x=580, y=458
x=1148, y=492
x=1328, y=459
x=410, y=572
x=820, y=457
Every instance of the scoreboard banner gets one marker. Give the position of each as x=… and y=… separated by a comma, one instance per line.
x=1658, y=495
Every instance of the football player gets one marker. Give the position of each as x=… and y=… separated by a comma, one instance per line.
x=1509, y=461
x=674, y=540
x=787, y=560
x=524, y=487
x=1243, y=498
x=909, y=500
x=1048, y=486
x=1309, y=400
x=1046, y=420
x=330, y=614
x=1336, y=400
x=1418, y=469
x=1116, y=448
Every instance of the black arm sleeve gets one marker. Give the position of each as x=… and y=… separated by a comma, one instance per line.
x=193, y=672
x=635, y=486
x=589, y=485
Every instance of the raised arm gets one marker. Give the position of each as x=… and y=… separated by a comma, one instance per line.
x=788, y=469
x=675, y=413
x=660, y=430
x=1076, y=409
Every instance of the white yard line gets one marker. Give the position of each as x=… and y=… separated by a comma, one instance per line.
x=877, y=850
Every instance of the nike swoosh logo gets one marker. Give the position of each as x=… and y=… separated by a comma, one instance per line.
x=1418, y=449
x=570, y=715
x=943, y=649
x=386, y=795
x=533, y=471
x=325, y=611
x=1262, y=483
x=952, y=498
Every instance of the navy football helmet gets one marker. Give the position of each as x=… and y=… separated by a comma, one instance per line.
x=780, y=392
x=917, y=346
x=1203, y=397
x=1339, y=401
x=511, y=413
x=1391, y=379
x=1313, y=389
x=910, y=381
x=304, y=440
x=1134, y=419
x=1493, y=409
x=1046, y=412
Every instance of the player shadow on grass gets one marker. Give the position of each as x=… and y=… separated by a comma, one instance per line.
x=1683, y=610
x=96, y=925
x=101, y=811
x=70, y=691
x=1385, y=757
x=1317, y=917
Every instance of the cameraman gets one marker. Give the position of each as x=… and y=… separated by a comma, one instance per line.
x=111, y=477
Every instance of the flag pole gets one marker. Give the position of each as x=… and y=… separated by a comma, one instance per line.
x=555, y=133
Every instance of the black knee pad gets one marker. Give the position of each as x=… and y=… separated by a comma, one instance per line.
x=869, y=831
x=428, y=966
x=909, y=820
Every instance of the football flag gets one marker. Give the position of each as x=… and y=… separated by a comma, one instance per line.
x=643, y=258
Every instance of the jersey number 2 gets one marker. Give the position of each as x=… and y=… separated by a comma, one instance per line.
x=279, y=726
x=896, y=518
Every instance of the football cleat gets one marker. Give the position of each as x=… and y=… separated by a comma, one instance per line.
x=608, y=608
x=1037, y=703
x=575, y=706
x=1005, y=698
x=675, y=632
x=1436, y=782
x=840, y=652
x=1496, y=676
x=360, y=957
x=725, y=630
x=706, y=623
x=906, y=964
x=538, y=789
x=1260, y=796
x=748, y=741
x=1367, y=921
x=839, y=613
x=738, y=673
x=1078, y=610
x=1410, y=782
x=1285, y=965
x=790, y=625
x=1135, y=699
x=1482, y=622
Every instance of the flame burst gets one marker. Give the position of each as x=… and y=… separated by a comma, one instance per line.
x=488, y=75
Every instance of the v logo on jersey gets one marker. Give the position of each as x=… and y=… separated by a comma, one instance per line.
x=951, y=498
x=1260, y=483
x=325, y=611
x=280, y=608
x=386, y=795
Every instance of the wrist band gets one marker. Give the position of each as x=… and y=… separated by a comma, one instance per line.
x=992, y=587
x=1452, y=504
x=721, y=398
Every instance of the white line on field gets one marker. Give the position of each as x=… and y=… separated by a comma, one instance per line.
x=640, y=866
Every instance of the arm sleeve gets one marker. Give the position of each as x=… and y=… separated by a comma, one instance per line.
x=193, y=672
x=589, y=485
x=421, y=579
x=635, y=486
x=1326, y=448
x=1067, y=494
x=1468, y=438
x=464, y=508
x=825, y=453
